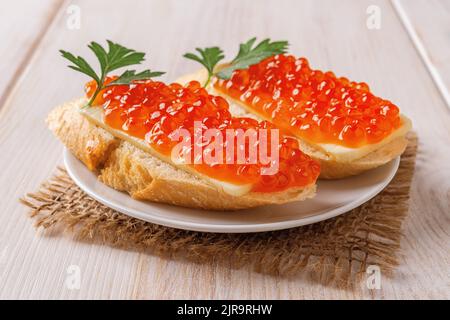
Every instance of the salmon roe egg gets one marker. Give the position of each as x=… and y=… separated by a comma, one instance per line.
x=153, y=111
x=314, y=105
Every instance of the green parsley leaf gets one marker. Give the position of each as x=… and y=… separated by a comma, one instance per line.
x=80, y=65
x=115, y=58
x=208, y=57
x=130, y=75
x=249, y=55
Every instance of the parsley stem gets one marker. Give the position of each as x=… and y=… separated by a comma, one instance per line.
x=207, y=80
x=97, y=91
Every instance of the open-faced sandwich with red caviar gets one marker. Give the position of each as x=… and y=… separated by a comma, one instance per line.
x=176, y=144
x=339, y=123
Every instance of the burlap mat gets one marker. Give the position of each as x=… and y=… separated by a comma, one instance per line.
x=335, y=251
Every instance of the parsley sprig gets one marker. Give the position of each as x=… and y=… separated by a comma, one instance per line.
x=114, y=58
x=249, y=54
x=208, y=57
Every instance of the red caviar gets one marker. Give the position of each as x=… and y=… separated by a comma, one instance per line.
x=313, y=105
x=152, y=110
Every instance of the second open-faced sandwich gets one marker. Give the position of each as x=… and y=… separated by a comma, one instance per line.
x=176, y=144
x=338, y=122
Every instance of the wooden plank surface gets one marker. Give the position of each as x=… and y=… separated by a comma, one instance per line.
x=428, y=24
x=331, y=36
x=22, y=26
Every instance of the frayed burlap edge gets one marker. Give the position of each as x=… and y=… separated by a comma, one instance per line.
x=333, y=252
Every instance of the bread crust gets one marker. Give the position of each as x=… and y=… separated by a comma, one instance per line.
x=329, y=168
x=124, y=167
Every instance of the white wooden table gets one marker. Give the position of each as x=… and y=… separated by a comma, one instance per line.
x=407, y=60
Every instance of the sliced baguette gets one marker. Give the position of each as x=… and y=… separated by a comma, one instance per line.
x=332, y=166
x=125, y=167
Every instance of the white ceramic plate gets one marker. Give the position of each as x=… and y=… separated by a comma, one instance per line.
x=333, y=198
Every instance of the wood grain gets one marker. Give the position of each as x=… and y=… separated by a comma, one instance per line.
x=428, y=24
x=331, y=36
x=22, y=26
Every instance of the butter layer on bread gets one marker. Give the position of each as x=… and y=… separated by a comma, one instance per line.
x=123, y=166
x=95, y=114
x=336, y=161
x=334, y=151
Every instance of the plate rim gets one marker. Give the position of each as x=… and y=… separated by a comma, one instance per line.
x=223, y=228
